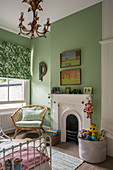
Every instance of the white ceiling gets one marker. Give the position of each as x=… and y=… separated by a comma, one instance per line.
x=54, y=9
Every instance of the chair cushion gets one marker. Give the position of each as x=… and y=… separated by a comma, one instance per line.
x=28, y=124
x=32, y=113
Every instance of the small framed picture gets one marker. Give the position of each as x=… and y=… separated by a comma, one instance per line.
x=70, y=58
x=67, y=90
x=70, y=77
x=87, y=90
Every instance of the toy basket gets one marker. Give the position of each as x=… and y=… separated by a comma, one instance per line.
x=92, y=151
x=55, y=139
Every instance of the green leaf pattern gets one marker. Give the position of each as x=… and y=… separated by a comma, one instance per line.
x=15, y=61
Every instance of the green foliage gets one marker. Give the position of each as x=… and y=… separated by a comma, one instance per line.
x=3, y=81
x=15, y=61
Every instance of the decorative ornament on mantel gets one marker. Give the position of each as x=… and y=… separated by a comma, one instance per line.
x=34, y=6
x=88, y=108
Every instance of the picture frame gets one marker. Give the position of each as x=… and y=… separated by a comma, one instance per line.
x=55, y=90
x=70, y=77
x=70, y=58
x=67, y=90
x=87, y=90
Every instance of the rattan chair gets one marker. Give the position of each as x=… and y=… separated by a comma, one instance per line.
x=37, y=125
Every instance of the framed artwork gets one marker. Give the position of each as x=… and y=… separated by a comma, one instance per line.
x=70, y=77
x=87, y=90
x=70, y=59
x=67, y=90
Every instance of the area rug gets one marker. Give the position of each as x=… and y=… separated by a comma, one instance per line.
x=61, y=161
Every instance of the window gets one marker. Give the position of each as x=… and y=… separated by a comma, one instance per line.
x=13, y=93
x=11, y=90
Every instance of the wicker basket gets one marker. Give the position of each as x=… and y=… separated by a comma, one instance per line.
x=55, y=139
x=92, y=151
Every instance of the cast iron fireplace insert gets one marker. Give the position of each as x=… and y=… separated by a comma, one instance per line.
x=71, y=128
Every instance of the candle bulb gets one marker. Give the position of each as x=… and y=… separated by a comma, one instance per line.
x=22, y=13
x=48, y=19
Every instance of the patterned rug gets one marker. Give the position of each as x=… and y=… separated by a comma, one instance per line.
x=61, y=161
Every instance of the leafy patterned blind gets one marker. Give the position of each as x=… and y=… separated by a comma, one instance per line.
x=15, y=61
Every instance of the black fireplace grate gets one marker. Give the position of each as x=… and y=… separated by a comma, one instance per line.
x=71, y=135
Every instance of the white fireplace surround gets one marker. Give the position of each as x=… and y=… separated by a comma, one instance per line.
x=66, y=104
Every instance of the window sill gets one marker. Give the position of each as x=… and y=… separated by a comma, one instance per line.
x=9, y=107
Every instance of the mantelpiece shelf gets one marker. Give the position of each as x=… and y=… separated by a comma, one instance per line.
x=70, y=94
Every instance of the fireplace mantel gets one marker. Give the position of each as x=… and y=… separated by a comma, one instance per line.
x=65, y=104
x=70, y=98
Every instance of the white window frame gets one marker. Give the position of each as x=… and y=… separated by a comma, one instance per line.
x=24, y=102
x=27, y=92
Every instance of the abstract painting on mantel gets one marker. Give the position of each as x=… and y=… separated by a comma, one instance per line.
x=70, y=77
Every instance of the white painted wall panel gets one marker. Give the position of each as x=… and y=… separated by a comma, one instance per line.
x=107, y=23
x=107, y=73
x=107, y=93
x=110, y=90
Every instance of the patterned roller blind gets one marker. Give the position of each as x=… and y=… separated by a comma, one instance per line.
x=15, y=61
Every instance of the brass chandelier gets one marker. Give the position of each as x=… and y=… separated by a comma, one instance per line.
x=34, y=6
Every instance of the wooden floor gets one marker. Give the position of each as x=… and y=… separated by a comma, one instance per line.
x=71, y=148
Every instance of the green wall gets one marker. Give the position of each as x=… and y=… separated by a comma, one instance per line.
x=40, y=89
x=14, y=38
x=82, y=30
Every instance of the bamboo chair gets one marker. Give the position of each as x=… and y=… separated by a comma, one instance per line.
x=18, y=115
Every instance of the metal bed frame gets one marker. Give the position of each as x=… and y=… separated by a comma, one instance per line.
x=42, y=147
x=3, y=136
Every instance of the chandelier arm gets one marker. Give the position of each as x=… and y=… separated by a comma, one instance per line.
x=26, y=30
x=38, y=2
x=25, y=33
x=38, y=32
x=43, y=31
x=27, y=1
x=41, y=35
x=47, y=28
